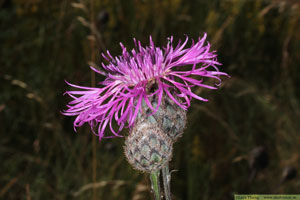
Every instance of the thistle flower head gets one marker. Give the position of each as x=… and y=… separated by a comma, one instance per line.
x=136, y=76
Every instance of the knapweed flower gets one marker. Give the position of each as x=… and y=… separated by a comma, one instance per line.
x=135, y=77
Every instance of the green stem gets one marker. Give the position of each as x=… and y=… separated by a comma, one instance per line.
x=167, y=178
x=154, y=177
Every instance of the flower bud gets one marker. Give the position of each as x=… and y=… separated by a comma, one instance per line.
x=147, y=148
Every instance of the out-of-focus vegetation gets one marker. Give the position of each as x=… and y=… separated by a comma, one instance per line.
x=244, y=140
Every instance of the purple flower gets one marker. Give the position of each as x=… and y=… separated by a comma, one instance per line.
x=137, y=75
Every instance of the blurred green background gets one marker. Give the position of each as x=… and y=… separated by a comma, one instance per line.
x=244, y=140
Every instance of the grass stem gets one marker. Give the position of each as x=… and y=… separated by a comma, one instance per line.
x=166, y=179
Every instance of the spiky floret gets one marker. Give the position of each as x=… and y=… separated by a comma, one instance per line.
x=147, y=148
x=129, y=81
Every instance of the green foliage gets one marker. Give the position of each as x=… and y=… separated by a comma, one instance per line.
x=44, y=43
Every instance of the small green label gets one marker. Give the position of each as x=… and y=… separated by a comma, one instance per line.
x=266, y=196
